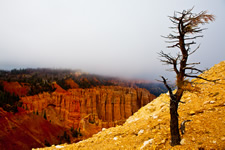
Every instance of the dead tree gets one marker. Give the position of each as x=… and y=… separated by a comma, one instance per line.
x=184, y=33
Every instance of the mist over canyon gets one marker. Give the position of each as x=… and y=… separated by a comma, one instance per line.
x=54, y=106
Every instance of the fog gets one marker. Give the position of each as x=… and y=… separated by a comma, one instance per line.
x=107, y=37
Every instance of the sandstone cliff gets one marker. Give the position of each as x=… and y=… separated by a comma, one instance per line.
x=88, y=109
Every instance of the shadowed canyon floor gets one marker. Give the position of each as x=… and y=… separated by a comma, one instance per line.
x=149, y=127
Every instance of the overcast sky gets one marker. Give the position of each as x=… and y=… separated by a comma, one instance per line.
x=108, y=37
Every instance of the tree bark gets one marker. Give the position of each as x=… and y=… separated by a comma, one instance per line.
x=174, y=125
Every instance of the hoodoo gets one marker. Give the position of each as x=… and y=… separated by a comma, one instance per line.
x=89, y=109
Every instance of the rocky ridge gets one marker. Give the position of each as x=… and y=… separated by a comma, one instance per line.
x=149, y=127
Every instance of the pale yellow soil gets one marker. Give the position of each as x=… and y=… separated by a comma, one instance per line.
x=149, y=127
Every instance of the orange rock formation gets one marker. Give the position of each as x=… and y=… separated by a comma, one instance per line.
x=71, y=84
x=89, y=109
x=16, y=88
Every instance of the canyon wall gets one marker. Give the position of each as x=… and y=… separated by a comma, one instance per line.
x=94, y=108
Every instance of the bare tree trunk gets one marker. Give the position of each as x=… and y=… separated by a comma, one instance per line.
x=185, y=24
x=174, y=125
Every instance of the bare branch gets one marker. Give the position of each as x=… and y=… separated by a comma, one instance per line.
x=171, y=36
x=193, y=64
x=170, y=60
x=191, y=43
x=172, y=27
x=195, y=69
x=198, y=77
x=173, y=20
x=172, y=42
x=193, y=37
x=197, y=30
x=175, y=45
x=194, y=50
x=167, y=86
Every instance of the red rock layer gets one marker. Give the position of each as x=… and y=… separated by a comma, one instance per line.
x=87, y=109
x=18, y=89
x=23, y=131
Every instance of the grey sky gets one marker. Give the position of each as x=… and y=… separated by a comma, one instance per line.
x=109, y=37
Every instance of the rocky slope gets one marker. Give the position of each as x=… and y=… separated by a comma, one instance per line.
x=26, y=131
x=88, y=109
x=149, y=127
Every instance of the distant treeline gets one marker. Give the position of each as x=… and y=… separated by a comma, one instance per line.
x=40, y=80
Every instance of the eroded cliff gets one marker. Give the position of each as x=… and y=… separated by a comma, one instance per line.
x=88, y=109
